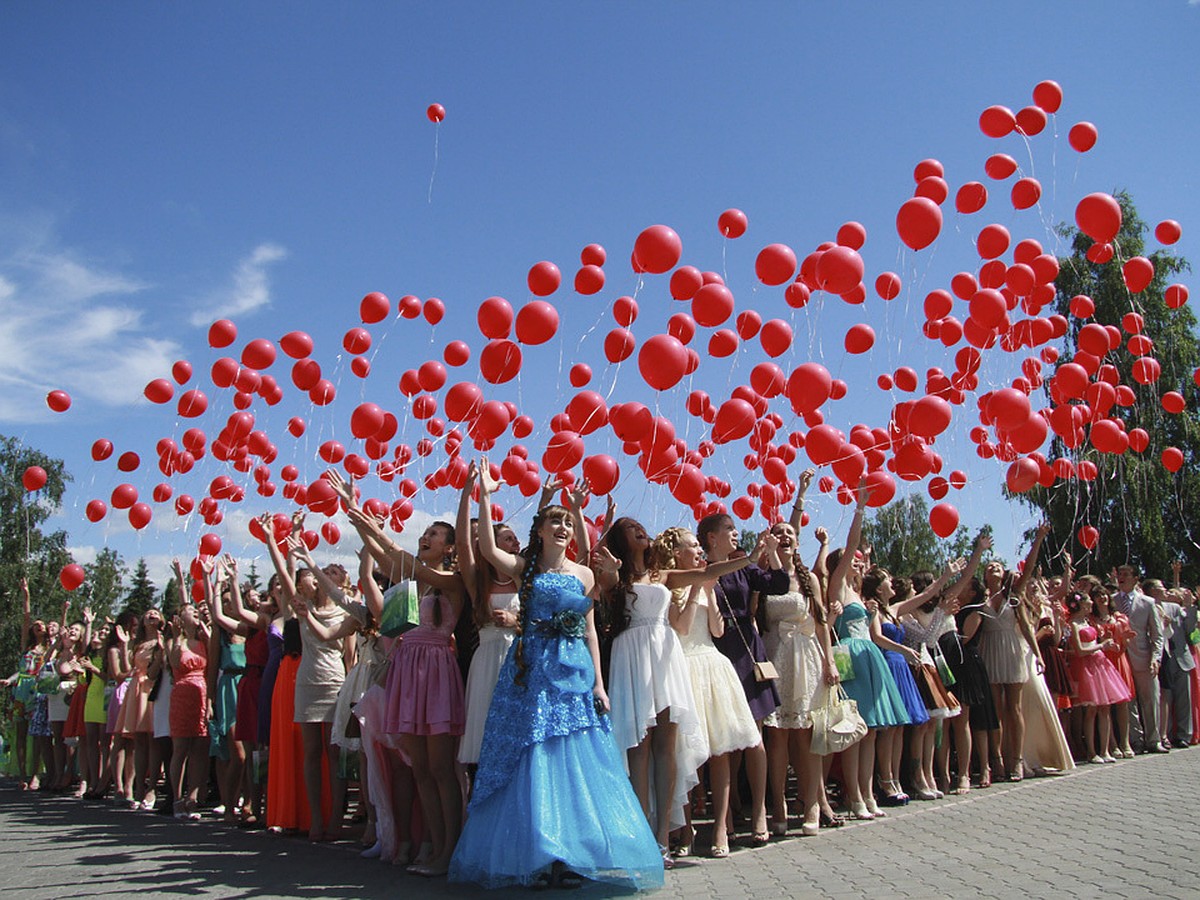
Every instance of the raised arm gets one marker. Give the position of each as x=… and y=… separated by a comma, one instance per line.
x=504, y=561
x=27, y=616
x=918, y=600
x=332, y=589
x=283, y=568
x=837, y=578
x=324, y=633
x=464, y=547
x=1031, y=559
x=820, y=566
x=372, y=596
x=797, y=516
x=575, y=499
x=983, y=543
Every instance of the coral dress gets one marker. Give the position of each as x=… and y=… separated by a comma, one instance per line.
x=1097, y=681
x=792, y=645
x=550, y=786
x=721, y=706
x=494, y=642
x=424, y=685
x=189, y=697
x=873, y=688
x=648, y=674
x=137, y=712
x=287, y=798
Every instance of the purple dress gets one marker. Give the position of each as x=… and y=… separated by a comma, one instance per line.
x=733, y=603
x=267, y=689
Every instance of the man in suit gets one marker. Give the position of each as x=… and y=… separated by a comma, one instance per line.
x=1145, y=653
x=1175, y=677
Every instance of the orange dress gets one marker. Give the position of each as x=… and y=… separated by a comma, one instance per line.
x=137, y=712
x=1119, y=630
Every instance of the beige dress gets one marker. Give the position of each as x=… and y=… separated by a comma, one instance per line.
x=321, y=671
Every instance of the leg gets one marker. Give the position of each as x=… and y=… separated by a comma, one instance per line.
x=850, y=762
x=1014, y=727
x=197, y=769
x=179, y=754
x=809, y=778
x=141, y=765
x=442, y=752
x=1147, y=703
x=337, y=784
x=22, y=738
x=718, y=779
x=638, y=759
x=1105, y=717
x=1089, y=734
x=777, y=766
x=866, y=772
x=662, y=740
x=756, y=771
x=1122, y=712
x=417, y=749
x=314, y=750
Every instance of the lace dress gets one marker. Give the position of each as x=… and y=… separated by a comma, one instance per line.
x=550, y=786
x=648, y=674
x=494, y=642
x=792, y=645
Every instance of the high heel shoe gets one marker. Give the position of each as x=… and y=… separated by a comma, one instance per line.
x=810, y=829
x=683, y=847
x=779, y=829
x=861, y=812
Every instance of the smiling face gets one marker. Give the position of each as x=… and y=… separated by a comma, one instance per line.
x=507, y=540
x=635, y=536
x=434, y=545
x=152, y=620
x=556, y=530
x=786, y=535
x=306, y=582
x=52, y=631
x=720, y=539
x=688, y=554
x=994, y=573
x=1126, y=578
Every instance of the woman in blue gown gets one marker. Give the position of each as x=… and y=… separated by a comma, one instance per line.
x=551, y=804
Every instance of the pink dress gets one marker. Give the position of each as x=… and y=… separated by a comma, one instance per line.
x=1097, y=681
x=424, y=685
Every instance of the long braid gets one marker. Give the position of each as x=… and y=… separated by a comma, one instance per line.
x=531, y=554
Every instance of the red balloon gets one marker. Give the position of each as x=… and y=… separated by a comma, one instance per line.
x=1138, y=273
x=943, y=519
x=809, y=387
x=34, y=478
x=128, y=461
x=589, y=280
x=657, y=250
x=735, y=419
x=919, y=222
x=1048, y=95
x=96, y=510
x=1168, y=231
x=1176, y=295
x=1089, y=536
x=776, y=263
x=999, y=166
x=993, y=240
x=732, y=223
x=712, y=305
x=1082, y=136
x=860, y=338
x=1173, y=402
x=776, y=337
x=463, y=401
x=259, y=354
x=124, y=496
x=296, y=344
x=1031, y=120
x=433, y=310
x=887, y=285
x=1099, y=217
x=366, y=420
x=685, y=281
x=1082, y=306
x=1172, y=459
x=662, y=361
x=102, y=449
x=192, y=403
x=619, y=345
x=971, y=197
x=495, y=318
x=435, y=113
x=1026, y=192
x=839, y=269
x=58, y=401
x=544, y=279
x=563, y=451
x=934, y=187
x=537, y=322
x=221, y=333
x=997, y=121
x=374, y=307
x=593, y=255
x=500, y=361
x=71, y=576
x=723, y=343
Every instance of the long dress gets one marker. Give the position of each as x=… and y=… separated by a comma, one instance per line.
x=721, y=706
x=550, y=786
x=424, y=684
x=1045, y=746
x=741, y=642
x=494, y=642
x=792, y=645
x=648, y=674
x=266, y=691
x=287, y=798
x=873, y=688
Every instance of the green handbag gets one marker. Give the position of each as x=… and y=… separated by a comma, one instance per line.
x=401, y=608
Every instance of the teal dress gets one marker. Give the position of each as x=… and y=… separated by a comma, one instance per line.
x=873, y=688
x=551, y=785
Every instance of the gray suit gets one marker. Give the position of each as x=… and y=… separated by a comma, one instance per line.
x=1177, y=666
x=1145, y=648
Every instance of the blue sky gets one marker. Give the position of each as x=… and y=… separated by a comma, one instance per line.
x=167, y=164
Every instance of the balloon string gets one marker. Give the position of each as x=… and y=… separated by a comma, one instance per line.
x=436, y=131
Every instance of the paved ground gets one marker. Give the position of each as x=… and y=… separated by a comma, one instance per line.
x=1127, y=830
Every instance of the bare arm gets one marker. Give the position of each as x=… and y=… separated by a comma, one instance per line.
x=464, y=547
x=983, y=543
x=283, y=568
x=681, y=615
x=877, y=637
x=905, y=607
x=228, y=623
x=1031, y=559
x=372, y=596
x=594, y=647
x=27, y=617
x=797, y=516
x=322, y=632
x=837, y=578
x=504, y=562
x=576, y=496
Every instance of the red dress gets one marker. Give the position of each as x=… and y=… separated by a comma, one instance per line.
x=246, y=724
x=1118, y=629
x=189, y=696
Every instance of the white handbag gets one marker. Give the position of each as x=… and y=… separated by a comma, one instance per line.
x=836, y=725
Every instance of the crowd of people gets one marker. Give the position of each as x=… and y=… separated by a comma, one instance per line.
x=569, y=707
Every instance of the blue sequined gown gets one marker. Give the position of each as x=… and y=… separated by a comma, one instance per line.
x=551, y=785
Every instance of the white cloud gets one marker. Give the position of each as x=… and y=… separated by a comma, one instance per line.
x=70, y=324
x=250, y=288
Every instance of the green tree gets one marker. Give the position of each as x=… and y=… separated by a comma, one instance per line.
x=105, y=583
x=252, y=578
x=25, y=550
x=142, y=592
x=170, y=598
x=902, y=540
x=1140, y=509
x=747, y=540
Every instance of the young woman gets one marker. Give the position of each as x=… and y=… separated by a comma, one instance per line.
x=873, y=688
x=551, y=805
x=1003, y=624
x=424, y=685
x=736, y=596
x=118, y=667
x=34, y=649
x=725, y=718
x=187, y=651
x=798, y=643
x=1113, y=632
x=136, y=722
x=95, y=716
x=494, y=603
x=1098, y=684
x=71, y=667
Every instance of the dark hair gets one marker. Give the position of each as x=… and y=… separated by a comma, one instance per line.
x=485, y=582
x=872, y=582
x=920, y=582
x=1073, y=601
x=617, y=542
x=448, y=560
x=708, y=526
x=532, y=555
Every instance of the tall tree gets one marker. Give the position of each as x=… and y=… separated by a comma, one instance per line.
x=1142, y=510
x=142, y=593
x=25, y=549
x=105, y=583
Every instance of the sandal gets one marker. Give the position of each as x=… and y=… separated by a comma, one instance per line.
x=1018, y=772
x=831, y=820
x=760, y=839
x=719, y=852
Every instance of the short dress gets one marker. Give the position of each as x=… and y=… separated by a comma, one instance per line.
x=189, y=698
x=95, y=708
x=1118, y=630
x=245, y=726
x=914, y=702
x=424, y=685
x=162, y=704
x=873, y=688
x=923, y=637
x=648, y=675
x=741, y=642
x=1097, y=681
x=233, y=664
x=321, y=671
x=368, y=655
x=721, y=706
x=266, y=692
x=137, y=711
x=971, y=685
x=494, y=642
x=75, y=726
x=792, y=645
x=1000, y=644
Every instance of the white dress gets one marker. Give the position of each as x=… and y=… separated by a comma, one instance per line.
x=367, y=658
x=647, y=674
x=721, y=706
x=1046, y=747
x=792, y=645
x=494, y=642
x=162, y=705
